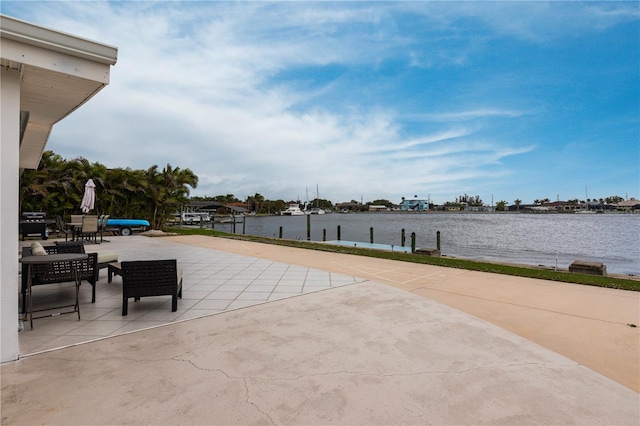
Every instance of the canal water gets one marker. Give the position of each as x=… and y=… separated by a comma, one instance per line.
x=532, y=239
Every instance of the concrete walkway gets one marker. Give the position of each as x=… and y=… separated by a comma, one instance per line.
x=364, y=353
x=589, y=325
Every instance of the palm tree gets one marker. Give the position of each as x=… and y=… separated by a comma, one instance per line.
x=52, y=188
x=166, y=191
x=57, y=186
x=517, y=202
x=258, y=200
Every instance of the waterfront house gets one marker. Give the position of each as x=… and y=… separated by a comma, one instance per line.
x=628, y=205
x=564, y=206
x=348, y=206
x=483, y=209
x=415, y=204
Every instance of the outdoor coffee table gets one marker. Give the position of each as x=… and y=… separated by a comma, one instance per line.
x=113, y=268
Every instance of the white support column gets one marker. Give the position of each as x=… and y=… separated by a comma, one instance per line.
x=9, y=205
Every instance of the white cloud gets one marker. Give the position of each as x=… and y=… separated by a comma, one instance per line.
x=198, y=85
x=473, y=114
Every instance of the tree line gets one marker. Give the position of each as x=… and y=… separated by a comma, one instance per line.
x=56, y=187
x=155, y=194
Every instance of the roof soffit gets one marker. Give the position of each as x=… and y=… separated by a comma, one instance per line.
x=58, y=72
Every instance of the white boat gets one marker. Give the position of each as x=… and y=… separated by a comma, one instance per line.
x=586, y=204
x=316, y=209
x=292, y=210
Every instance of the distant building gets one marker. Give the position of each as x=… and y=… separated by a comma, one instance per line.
x=480, y=209
x=374, y=208
x=215, y=207
x=626, y=205
x=348, y=206
x=414, y=204
x=564, y=206
x=576, y=206
x=202, y=206
x=554, y=207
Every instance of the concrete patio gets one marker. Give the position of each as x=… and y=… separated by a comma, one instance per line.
x=213, y=282
x=330, y=339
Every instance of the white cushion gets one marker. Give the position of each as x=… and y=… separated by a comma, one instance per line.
x=107, y=257
x=37, y=249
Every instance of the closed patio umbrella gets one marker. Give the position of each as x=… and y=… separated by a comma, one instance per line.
x=89, y=197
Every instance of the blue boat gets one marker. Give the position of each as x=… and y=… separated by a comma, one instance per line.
x=127, y=226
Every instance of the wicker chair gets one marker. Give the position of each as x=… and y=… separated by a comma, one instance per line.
x=62, y=228
x=144, y=278
x=90, y=228
x=76, y=226
x=102, y=226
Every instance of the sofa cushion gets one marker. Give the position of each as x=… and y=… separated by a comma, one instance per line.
x=107, y=257
x=37, y=249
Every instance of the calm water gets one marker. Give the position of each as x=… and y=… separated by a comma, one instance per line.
x=534, y=239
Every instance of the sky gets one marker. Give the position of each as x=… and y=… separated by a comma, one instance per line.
x=363, y=100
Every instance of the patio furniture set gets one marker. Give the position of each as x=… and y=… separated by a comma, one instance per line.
x=78, y=227
x=67, y=261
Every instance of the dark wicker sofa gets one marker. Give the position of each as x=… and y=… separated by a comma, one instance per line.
x=50, y=274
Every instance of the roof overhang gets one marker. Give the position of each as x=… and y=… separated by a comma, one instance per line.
x=58, y=73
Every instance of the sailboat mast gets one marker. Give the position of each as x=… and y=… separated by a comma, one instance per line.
x=586, y=198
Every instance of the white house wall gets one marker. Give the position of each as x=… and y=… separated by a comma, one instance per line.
x=9, y=184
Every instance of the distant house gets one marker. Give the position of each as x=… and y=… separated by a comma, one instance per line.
x=480, y=209
x=238, y=207
x=374, y=208
x=215, y=207
x=564, y=206
x=528, y=208
x=414, y=204
x=553, y=207
x=203, y=206
x=628, y=205
x=348, y=206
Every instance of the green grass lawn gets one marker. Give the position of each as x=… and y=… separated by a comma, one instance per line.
x=472, y=265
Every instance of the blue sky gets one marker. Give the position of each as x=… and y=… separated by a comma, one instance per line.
x=505, y=100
